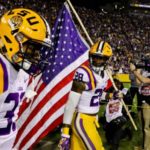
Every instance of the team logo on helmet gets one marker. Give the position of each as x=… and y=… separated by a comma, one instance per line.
x=16, y=21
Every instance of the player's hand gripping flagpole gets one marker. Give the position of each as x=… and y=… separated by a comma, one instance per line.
x=126, y=109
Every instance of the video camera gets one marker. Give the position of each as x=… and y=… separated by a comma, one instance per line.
x=143, y=63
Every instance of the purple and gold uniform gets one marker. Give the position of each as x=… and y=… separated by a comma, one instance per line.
x=25, y=43
x=80, y=113
x=85, y=134
x=12, y=88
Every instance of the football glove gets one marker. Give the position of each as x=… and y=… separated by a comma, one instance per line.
x=64, y=143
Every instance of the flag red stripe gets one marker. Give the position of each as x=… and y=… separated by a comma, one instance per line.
x=43, y=102
x=23, y=107
x=49, y=113
x=109, y=85
x=52, y=126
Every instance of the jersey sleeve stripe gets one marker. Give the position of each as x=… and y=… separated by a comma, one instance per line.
x=4, y=74
x=92, y=83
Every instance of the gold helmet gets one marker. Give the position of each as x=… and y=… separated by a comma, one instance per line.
x=101, y=48
x=23, y=34
x=99, y=54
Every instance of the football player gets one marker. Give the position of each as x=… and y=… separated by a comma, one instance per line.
x=24, y=45
x=80, y=115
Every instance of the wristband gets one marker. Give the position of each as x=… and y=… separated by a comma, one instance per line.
x=110, y=95
x=65, y=130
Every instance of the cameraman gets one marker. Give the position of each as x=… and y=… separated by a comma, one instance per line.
x=144, y=89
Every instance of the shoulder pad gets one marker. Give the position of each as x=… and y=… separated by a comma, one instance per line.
x=85, y=74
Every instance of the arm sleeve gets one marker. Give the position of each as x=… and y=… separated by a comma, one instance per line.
x=70, y=107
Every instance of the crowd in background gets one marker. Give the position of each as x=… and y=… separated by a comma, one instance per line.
x=127, y=33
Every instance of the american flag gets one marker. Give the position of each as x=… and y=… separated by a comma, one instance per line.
x=44, y=113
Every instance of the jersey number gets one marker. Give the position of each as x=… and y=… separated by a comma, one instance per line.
x=79, y=76
x=14, y=97
x=95, y=98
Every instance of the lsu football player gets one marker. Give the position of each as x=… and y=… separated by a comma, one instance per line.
x=80, y=116
x=24, y=36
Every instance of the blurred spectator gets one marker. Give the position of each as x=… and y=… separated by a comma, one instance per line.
x=144, y=89
x=134, y=89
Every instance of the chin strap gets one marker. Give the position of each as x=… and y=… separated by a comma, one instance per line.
x=102, y=73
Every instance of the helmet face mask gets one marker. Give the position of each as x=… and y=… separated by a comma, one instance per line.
x=24, y=36
x=99, y=55
x=99, y=61
x=33, y=57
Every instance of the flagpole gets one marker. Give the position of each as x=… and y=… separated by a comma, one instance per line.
x=80, y=22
